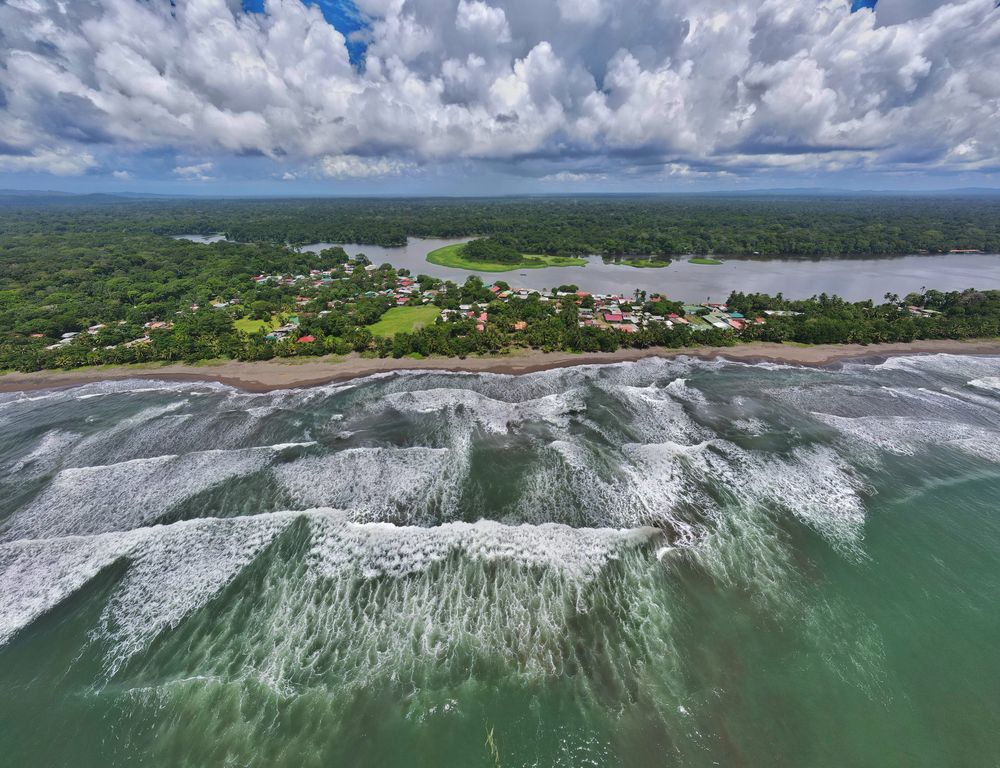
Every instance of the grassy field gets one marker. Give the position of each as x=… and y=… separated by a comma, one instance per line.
x=701, y=260
x=399, y=319
x=451, y=256
x=643, y=263
x=249, y=325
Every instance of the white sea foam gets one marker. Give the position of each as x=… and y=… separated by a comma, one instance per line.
x=493, y=415
x=404, y=602
x=126, y=495
x=509, y=589
x=680, y=389
x=382, y=549
x=657, y=415
x=284, y=446
x=374, y=483
x=817, y=486
x=968, y=366
x=990, y=383
x=751, y=426
x=128, y=438
x=908, y=436
x=141, y=386
x=176, y=569
x=37, y=575
x=573, y=484
x=172, y=571
x=44, y=457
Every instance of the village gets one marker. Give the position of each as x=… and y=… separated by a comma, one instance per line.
x=608, y=311
x=612, y=312
x=303, y=300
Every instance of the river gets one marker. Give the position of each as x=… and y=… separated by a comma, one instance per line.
x=854, y=279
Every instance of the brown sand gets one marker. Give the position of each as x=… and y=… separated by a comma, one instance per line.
x=289, y=373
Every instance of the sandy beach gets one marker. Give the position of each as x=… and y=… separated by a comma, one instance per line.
x=288, y=373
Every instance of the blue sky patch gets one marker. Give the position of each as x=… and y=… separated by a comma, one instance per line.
x=343, y=15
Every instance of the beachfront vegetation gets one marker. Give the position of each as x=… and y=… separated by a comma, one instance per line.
x=831, y=320
x=458, y=256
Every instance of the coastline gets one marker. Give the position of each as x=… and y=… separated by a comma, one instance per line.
x=290, y=373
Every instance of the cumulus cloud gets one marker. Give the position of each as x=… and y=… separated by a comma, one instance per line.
x=485, y=21
x=353, y=166
x=732, y=85
x=571, y=177
x=198, y=172
x=685, y=171
x=61, y=161
x=121, y=175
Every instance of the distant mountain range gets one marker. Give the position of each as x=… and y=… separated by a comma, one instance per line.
x=31, y=194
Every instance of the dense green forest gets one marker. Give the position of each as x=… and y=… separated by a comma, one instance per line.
x=612, y=226
x=56, y=283
x=831, y=320
x=498, y=250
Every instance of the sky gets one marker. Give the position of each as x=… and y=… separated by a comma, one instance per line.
x=410, y=97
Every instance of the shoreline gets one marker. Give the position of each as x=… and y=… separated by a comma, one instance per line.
x=293, y=373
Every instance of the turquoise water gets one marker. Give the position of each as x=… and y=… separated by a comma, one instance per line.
x=664, y=563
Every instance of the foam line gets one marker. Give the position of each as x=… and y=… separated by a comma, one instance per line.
x=126, y=495
x=492, y=414
x=374, y=482
x=37, y=575
x=377, y=549
x=175, y=569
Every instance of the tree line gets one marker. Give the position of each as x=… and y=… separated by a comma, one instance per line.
x=765, y=226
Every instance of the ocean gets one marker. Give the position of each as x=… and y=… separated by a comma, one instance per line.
x=662, y=563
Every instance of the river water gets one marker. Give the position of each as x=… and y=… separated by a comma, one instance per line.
x=853, y=279
x=663, y=563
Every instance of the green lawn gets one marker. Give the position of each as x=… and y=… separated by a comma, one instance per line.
x=407, y=319
x=451, y=256
x=249, y=325
x=701, y=260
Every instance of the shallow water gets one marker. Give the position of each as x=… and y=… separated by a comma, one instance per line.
x=660, y=563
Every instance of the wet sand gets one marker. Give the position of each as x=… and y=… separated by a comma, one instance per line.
x=288, y=373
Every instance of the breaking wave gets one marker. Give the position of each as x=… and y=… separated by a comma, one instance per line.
x=411, y=518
